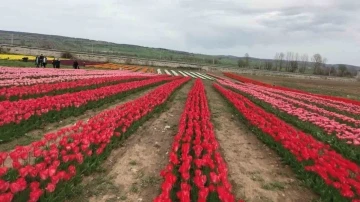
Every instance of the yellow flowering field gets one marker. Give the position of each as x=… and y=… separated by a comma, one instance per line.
x=19, y=57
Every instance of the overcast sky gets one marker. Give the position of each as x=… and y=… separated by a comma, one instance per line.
x=227, y=27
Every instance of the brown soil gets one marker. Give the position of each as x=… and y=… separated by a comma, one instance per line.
x=53, y=127
x=255, y=171
x=131, y=173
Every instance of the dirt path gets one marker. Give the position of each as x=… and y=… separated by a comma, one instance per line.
x=52, y=127
x=131, y=173
x=255, y=171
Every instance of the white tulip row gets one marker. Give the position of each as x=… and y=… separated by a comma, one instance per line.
x=185, y=74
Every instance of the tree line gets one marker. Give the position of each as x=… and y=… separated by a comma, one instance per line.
x=295, y=62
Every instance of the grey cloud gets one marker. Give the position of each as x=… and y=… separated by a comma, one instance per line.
x=211, y=26
x=312, y=20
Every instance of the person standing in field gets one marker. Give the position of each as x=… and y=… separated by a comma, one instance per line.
x=58, y=63
x=76, y=65
x=41, y=60
x=45, y=62
x=54, y=63
x=37, y=61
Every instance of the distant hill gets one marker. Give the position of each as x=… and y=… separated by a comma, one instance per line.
x=103, y=47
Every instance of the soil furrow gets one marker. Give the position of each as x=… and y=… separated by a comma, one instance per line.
x=132, y=172
x=255, y=171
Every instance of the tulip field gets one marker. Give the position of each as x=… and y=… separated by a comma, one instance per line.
x=172, y=135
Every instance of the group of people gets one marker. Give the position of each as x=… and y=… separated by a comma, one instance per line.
x=56, y=63
x=41, y=61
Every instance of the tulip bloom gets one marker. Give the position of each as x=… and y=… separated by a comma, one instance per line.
x=195, y=148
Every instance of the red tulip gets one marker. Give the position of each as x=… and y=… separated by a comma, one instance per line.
x=6, y=197
x=4, y=186
x=34, y=186
x=18, y=186
x=3, y=171
x=50, y=187
x=35, y=195
x=3, y=156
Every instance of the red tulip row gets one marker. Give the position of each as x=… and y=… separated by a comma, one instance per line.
x=327, y=97
x=196, y=170
x=39, y=89
x=57, y=162
x=15, y=112
x=322, y=118
x=19, y=117
x=308, y=156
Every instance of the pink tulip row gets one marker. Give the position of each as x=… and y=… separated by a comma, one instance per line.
x=342, y=106
x=13, y=73
x=32, y=81
x=296, y=102
x=40, y=74
x=15, y=112
x=21, y=91
x=332, y=99
x=342, y=131
x=59, y=154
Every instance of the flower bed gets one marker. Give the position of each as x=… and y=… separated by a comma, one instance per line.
x=19, y=117
x=327, y=172
x=62, y=158
x=349, y=150
x=328, y=124
x=31, y=76
x=196, y=170
x=246, y=80
x=21, y=92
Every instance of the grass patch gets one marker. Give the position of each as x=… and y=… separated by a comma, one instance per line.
x=273, y=186
x=257, y=178
x=134, y=188
x=132, y=162
x=149, y=181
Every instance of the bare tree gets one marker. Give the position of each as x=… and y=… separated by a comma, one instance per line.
x=276, y=60
x=332, y=70
x=294, y=58
x=304, y=63
x=281, y=61
x=288, y=60
x=241, y=63
x=317, y=60
x=247, y=59
x=342, y=70
x=268, y=65
x=325, y=67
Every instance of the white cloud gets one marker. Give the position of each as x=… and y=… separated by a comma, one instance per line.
x=258, y=27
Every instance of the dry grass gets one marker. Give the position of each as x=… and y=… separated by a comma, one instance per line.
x=349, y=90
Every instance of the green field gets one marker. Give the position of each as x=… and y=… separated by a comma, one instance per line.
x=101, y=47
